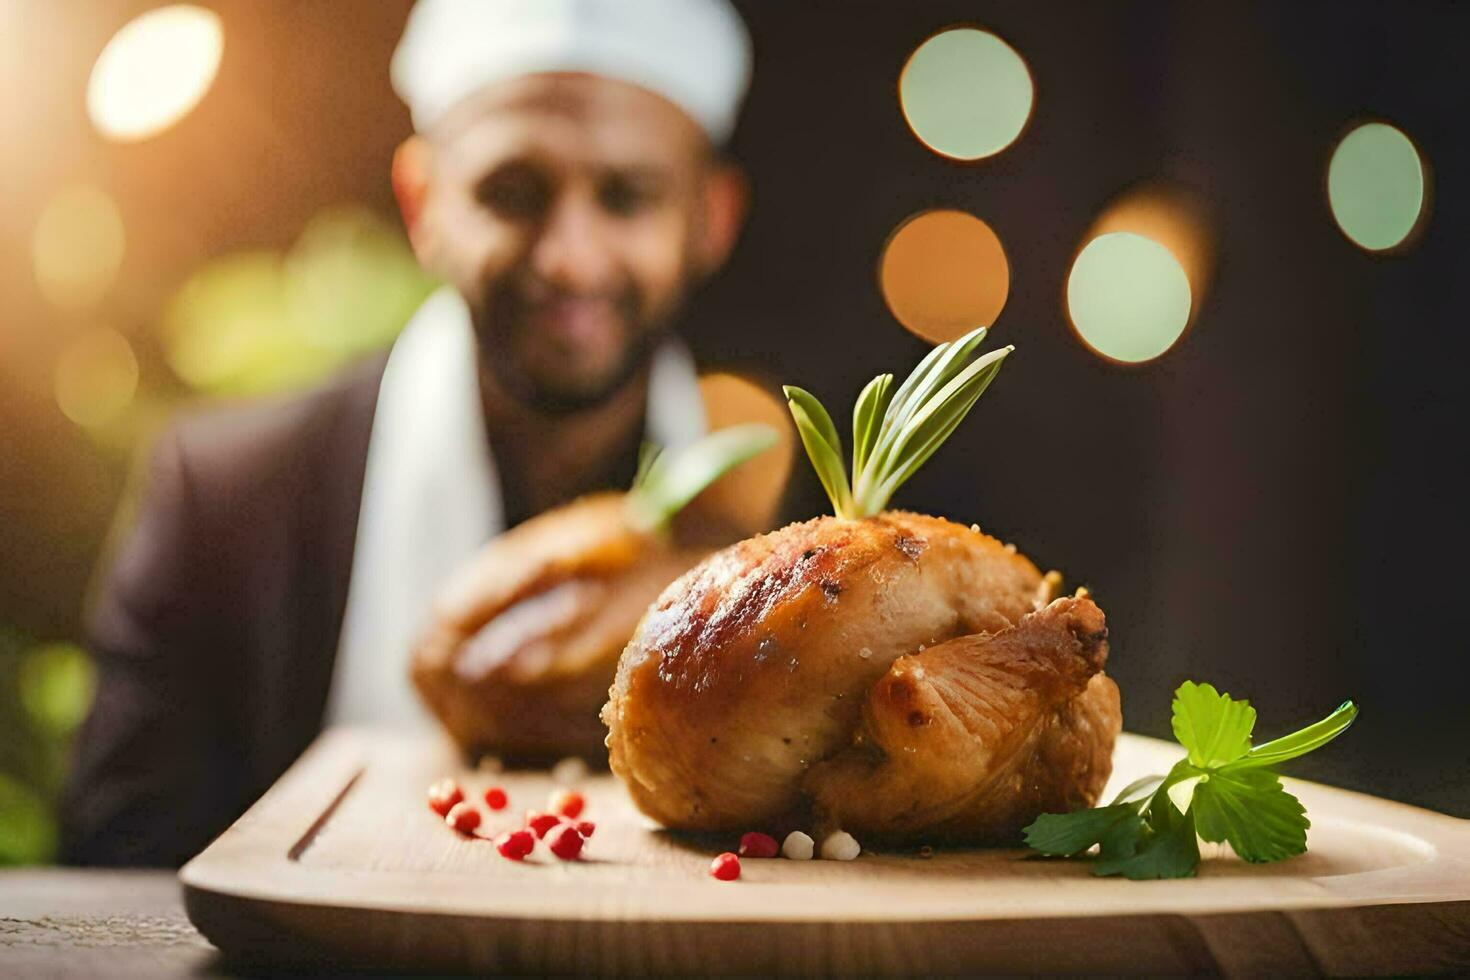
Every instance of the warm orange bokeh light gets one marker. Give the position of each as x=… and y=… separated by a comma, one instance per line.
x=750, y=493
x=944, y=273
x=77, y=247
x=96, y=377
x=1129, y=304
x=1171, y=217
x=154, y=71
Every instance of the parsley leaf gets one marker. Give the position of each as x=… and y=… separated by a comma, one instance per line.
x=1116, y=829
x=1250, y=809
x=1068, y=834
x=1139, y=790
x=1121, y=840
x=1167, y=849
x=1224, y=790
x=1214, y=727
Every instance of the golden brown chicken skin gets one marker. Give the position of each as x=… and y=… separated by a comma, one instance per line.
x=747, y=693
x=525, y=639
x=971, y=739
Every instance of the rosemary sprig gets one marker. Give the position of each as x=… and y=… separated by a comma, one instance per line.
x=894, y=432
x=668, y=479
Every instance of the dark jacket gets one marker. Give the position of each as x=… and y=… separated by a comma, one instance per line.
x=215, y=629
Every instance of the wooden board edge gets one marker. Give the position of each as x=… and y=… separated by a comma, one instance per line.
x=250, y=862
x=1418, y=938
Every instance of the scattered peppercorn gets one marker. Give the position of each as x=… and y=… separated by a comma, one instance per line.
x=758, y=845
x=565, y=842
x=443, y=795
x=567, y=802
x=798, y=846
x=495, y=798
x=515, y=844
x=540, y=823
x=463, y=817
x=840, y=846
x=725, y=867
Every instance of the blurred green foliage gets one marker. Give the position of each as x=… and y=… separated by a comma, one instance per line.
x=45, y=692
x=27, y=825
x=245, y=323
x=260, y=321
x=56, y=686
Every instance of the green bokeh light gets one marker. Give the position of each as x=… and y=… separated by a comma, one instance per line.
x=56, y=683
x=27, y=829
x=261, y=321
x=1128, y=297
x=966, y=93
x=1375, y=184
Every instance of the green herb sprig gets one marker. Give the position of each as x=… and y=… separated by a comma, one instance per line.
x=667, y=480
x=1223, y=790
x=894, y=432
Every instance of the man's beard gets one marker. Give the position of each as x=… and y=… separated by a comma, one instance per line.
x=505, y=316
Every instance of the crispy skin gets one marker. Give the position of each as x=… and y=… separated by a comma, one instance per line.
x=971, y=739
x=525, y=639
x=755, y=667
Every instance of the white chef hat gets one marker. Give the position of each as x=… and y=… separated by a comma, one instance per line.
x=695, y=53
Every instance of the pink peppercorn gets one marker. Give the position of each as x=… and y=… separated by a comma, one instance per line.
x=495, y=798
x=443, y=795
x=463, y=817
x=540, y=823
x=565, y=842
x=567, y=802
x=726, y=867
x=758, y=845
x=515, y=844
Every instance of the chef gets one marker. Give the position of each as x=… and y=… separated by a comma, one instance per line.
x=565, y=181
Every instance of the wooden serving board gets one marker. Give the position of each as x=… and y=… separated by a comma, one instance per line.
x=342, y=864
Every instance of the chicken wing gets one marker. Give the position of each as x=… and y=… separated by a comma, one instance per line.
x=971, y=739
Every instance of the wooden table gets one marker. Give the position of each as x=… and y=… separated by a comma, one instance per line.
x=70, y=923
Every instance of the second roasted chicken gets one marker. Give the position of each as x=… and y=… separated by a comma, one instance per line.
x=525, y=638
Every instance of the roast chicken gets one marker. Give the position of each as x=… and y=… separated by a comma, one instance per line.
x=525, y=638
x=898, y=676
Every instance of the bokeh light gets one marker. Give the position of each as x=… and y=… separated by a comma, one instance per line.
x=154, y=70
x=1169, y=231
x=96, y=377
x=260, y=321
x=77, y=247
x=56, y=684
x=1172, y=215
x=27, y=830
x=966, y=93
x=1375, y=186
x=751, y=493
x=943, y=273
x=1128, y=297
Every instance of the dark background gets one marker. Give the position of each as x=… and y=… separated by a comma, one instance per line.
x=1275, y=506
